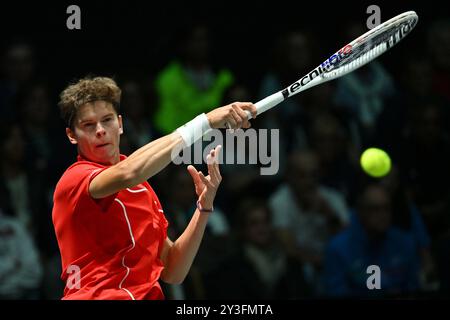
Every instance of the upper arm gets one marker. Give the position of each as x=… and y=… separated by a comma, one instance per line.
x=109, y=181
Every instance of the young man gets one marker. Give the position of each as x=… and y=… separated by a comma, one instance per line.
x=110, y=226
x=371, y=240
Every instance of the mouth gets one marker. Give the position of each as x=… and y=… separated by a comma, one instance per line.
x=102, y=145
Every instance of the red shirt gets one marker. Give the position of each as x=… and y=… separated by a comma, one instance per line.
x=115, y=242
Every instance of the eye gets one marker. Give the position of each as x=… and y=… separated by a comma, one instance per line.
x=107, y=119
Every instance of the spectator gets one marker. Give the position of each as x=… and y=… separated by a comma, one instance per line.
x=137, y=123
x=259, y=268
x=408, y=218
x=415, y=84
x=338, y=157
x=20, y=266
x=189, y=85
x=439, y=46
x=306, y=213
x=18, y=66
x=15, y=180
x=371, y=239
x=423, y=156
x=290, y=58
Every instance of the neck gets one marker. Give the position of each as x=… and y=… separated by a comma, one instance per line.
x=197, y=65
x=375, y=236
x=107, y=162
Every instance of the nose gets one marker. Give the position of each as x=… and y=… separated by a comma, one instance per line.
x=99, y=130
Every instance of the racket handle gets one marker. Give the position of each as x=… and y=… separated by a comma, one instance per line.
x=267, y=103
x=264, y=105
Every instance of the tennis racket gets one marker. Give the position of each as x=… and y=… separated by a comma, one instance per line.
x=351, y=57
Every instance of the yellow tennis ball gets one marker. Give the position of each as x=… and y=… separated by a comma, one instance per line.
x=375, y=162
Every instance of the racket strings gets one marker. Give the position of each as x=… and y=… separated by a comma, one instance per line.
x=366, y=51
x=355, y=63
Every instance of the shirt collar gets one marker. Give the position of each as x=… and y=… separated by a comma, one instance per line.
x=80, y=158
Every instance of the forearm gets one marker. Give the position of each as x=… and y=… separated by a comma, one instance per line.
x=183, y=251
x=152, y=158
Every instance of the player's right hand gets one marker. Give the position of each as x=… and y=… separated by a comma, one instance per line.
x=232, y=116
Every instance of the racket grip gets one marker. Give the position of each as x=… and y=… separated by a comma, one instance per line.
x=264, y=105
x=267, y=103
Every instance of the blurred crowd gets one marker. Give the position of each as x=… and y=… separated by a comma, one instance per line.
x=309, y=231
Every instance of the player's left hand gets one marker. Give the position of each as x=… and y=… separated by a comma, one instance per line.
x=206, y=187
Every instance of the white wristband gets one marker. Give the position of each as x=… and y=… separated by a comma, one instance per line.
x=194, y=129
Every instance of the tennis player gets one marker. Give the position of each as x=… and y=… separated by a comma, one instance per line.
x=109, y=223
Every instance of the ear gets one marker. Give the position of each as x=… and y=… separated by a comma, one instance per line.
x=120, y=124
x=71, y=135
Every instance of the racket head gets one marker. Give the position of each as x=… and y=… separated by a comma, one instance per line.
x=369, y=46
x=354, y=55
x=357, y=53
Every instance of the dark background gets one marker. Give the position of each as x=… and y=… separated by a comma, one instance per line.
x=139, y=37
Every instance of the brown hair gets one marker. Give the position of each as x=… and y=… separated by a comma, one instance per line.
x=88, y=89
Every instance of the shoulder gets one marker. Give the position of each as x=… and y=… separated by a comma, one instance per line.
x=80, y=169
x=225, y=76
x=331, y=194
x=281, y=194
x=10, y=223
x=340, y=240
x=401, y=238
x=282, y=199
x=170, y=72
x=76, y=174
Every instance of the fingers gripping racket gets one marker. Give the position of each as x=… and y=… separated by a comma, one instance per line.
x=352, y=56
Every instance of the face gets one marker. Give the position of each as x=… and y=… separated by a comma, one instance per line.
x=298, y=52
x=375, y=210
x=14, y=146
x=328, y=139
x=303, y=173
x=37, y=106
x=97, y=130
x=258, y=227
x=428, y=125
x=198, y=44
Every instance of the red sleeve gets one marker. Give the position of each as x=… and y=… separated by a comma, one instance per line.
x=76, y=183
x=104, y=203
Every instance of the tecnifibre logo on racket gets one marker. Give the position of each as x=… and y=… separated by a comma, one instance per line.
x=324, y=66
